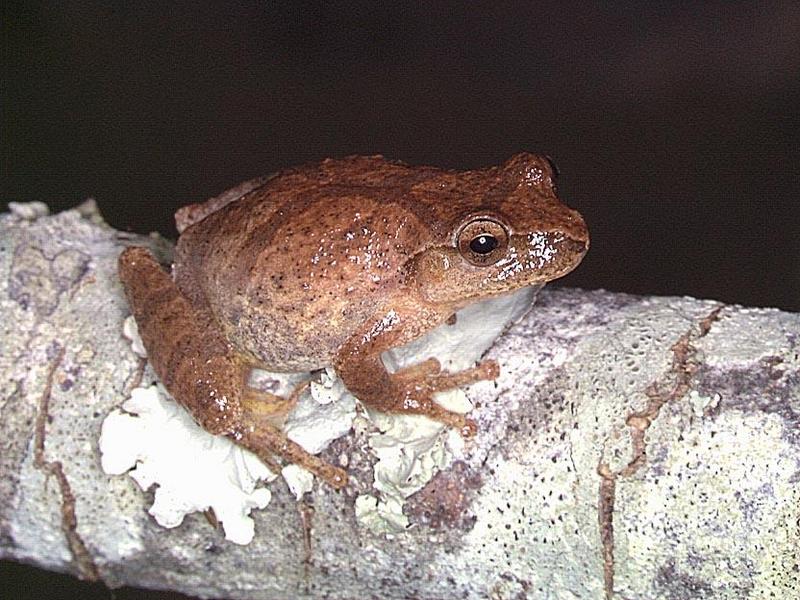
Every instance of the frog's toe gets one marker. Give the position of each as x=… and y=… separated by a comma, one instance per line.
x=483, y=371
x=457, y=421
x=418, y=371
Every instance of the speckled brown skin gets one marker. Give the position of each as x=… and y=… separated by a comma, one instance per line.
x=335, y=263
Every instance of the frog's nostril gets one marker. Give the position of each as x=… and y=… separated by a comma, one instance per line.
x=565, y=243
x=577, y=245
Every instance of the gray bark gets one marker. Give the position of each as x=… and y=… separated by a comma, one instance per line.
x=633, y=447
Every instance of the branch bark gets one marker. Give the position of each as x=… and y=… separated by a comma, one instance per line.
x=632, y=448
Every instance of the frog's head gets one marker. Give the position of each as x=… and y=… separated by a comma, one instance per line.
x=518, y=234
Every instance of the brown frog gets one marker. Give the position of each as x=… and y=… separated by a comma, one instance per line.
x=332, y=264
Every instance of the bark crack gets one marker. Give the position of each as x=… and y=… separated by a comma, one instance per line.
x=136, y=378
x=672, y=386
x=69, y=522
x=306, y=520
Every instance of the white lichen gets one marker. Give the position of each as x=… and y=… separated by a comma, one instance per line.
x=381, y=516
x=700, y=403
x=130, y=331
x=321, y=416
x=158, y=444
x=299, y=480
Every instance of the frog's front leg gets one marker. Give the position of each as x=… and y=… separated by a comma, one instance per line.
x=203, y=371
x=409, y=390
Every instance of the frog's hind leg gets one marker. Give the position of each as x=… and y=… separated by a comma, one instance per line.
x=201, y=369
x=271, y=406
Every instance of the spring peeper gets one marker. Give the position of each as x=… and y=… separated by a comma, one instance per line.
x=331, y=264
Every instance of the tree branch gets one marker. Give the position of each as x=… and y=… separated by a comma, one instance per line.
x=632, y=447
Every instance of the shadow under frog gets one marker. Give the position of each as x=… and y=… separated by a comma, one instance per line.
x=332, y=264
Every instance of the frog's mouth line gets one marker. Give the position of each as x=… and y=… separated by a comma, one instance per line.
x=570, y=253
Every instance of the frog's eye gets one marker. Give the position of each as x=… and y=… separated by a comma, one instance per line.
x=482, y=242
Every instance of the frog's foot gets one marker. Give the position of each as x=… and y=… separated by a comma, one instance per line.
x=412, y=391
x=262, y=413
x=266, y=441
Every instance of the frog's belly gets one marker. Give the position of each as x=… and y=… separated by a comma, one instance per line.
x=283, y=343
x=289, y=349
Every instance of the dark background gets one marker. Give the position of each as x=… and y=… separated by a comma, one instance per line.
x=674, y=124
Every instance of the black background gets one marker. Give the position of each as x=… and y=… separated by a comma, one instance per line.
x=674, y=124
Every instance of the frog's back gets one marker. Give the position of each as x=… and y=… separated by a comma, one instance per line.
x=295, y=266
x=188, y=215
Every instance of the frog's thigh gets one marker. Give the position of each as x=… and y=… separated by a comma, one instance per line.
x=184, y=345
x=188, y=351
x=198, y=367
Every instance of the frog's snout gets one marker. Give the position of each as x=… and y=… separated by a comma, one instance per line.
x=571, y=238
x=570, y=253
x=569, y=250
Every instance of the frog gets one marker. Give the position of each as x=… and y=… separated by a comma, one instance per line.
x=330, y=265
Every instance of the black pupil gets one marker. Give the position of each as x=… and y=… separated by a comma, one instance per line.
x=483, y=244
